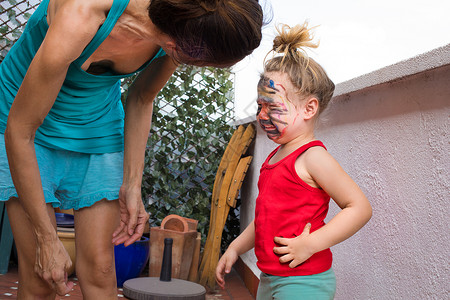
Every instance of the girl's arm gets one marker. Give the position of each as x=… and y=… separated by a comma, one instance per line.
x=243, y=243
x=138, y=116
x=70, y=31
x=356, y=209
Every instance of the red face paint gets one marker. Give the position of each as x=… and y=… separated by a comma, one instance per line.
x=275, y=112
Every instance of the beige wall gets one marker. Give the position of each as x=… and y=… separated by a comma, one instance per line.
x=392, y=138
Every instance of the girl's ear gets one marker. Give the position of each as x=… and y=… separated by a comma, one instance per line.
x=311, y=108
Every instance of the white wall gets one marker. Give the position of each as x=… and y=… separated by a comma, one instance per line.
x=392, y=138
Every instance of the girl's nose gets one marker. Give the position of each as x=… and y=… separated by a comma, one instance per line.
x=262, y=114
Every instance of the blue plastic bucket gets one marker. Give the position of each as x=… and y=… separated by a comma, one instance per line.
x=131, y=260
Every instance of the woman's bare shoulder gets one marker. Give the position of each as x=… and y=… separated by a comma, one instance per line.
x=72, y=25
x=97, y=8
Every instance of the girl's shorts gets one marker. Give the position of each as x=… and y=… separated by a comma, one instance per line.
x=320, y=286
x=69, y=179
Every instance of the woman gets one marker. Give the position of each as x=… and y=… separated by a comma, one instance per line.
x=66, y=139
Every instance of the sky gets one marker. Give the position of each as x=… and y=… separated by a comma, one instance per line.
x=356, y=37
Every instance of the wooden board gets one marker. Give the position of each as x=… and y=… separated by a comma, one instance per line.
x=224, y=193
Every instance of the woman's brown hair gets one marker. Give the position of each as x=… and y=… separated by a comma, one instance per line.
x=210, y=31
x=305, y=73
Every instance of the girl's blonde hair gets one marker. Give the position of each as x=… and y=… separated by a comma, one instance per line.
x=305, y=73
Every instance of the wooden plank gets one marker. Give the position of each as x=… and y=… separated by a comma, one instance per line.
x=245, y=140
x=238, y=178
x=218, y=182
x=215, y=253
x=251, y=132
x=211, y=254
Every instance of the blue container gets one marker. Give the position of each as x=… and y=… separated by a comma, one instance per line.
x=64, y=220
x=131, y=260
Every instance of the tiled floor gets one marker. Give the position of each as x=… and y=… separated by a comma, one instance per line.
x=235, y=288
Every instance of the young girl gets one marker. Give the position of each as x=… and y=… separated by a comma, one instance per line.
x=296, y=182
x=65, y=139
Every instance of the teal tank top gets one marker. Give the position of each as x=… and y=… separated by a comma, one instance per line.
x=87, y=116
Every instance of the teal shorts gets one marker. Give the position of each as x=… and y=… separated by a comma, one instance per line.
x=69, y=179
x=320, y=286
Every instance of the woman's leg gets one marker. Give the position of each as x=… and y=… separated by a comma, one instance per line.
x=95, y=269
x=31, y=286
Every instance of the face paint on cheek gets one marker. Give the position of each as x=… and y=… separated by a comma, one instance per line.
x=278, y=133
x=258, y=110
x=265, y=121
x=280, y=120
x=283, y=131
x=278, y=114
x=271, y=110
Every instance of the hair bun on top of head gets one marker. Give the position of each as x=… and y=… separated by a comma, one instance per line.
x=209, y=5
x=290, y=57
x=292, y=41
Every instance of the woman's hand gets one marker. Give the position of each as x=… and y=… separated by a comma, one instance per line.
x=52, y=263
x=224, y=266
x=296, y=250
x=133, y=216
x=138, y=116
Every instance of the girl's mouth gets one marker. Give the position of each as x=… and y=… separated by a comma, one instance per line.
x=269, y=128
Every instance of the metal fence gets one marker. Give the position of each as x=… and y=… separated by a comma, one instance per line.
x=13, y=18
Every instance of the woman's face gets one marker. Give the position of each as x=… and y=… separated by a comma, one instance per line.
x=277, y=115
x=187, y=60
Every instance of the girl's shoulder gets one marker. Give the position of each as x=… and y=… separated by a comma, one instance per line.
x=309, y=161
x=312, y=151
x=318, y=163
x=316, y=150
x=316, y=156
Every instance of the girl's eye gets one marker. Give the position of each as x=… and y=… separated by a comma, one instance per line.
x=276, y=108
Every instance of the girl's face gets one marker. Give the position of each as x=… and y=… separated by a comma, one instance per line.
x=277, y=115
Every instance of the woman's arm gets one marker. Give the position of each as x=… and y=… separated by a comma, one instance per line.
x=356, y=210
x=68, y=34
x=138, y=116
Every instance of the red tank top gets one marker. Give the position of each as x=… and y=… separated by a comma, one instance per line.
x=284, y=206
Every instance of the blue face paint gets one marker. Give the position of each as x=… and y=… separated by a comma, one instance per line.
x=271, y=84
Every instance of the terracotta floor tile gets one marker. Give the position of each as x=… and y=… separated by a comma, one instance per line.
x=9, y=283
x=235, y=288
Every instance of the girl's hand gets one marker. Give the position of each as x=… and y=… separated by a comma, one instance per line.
x=295, y=250
x=52, y=263
x=224, y=266
x=133, y=217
